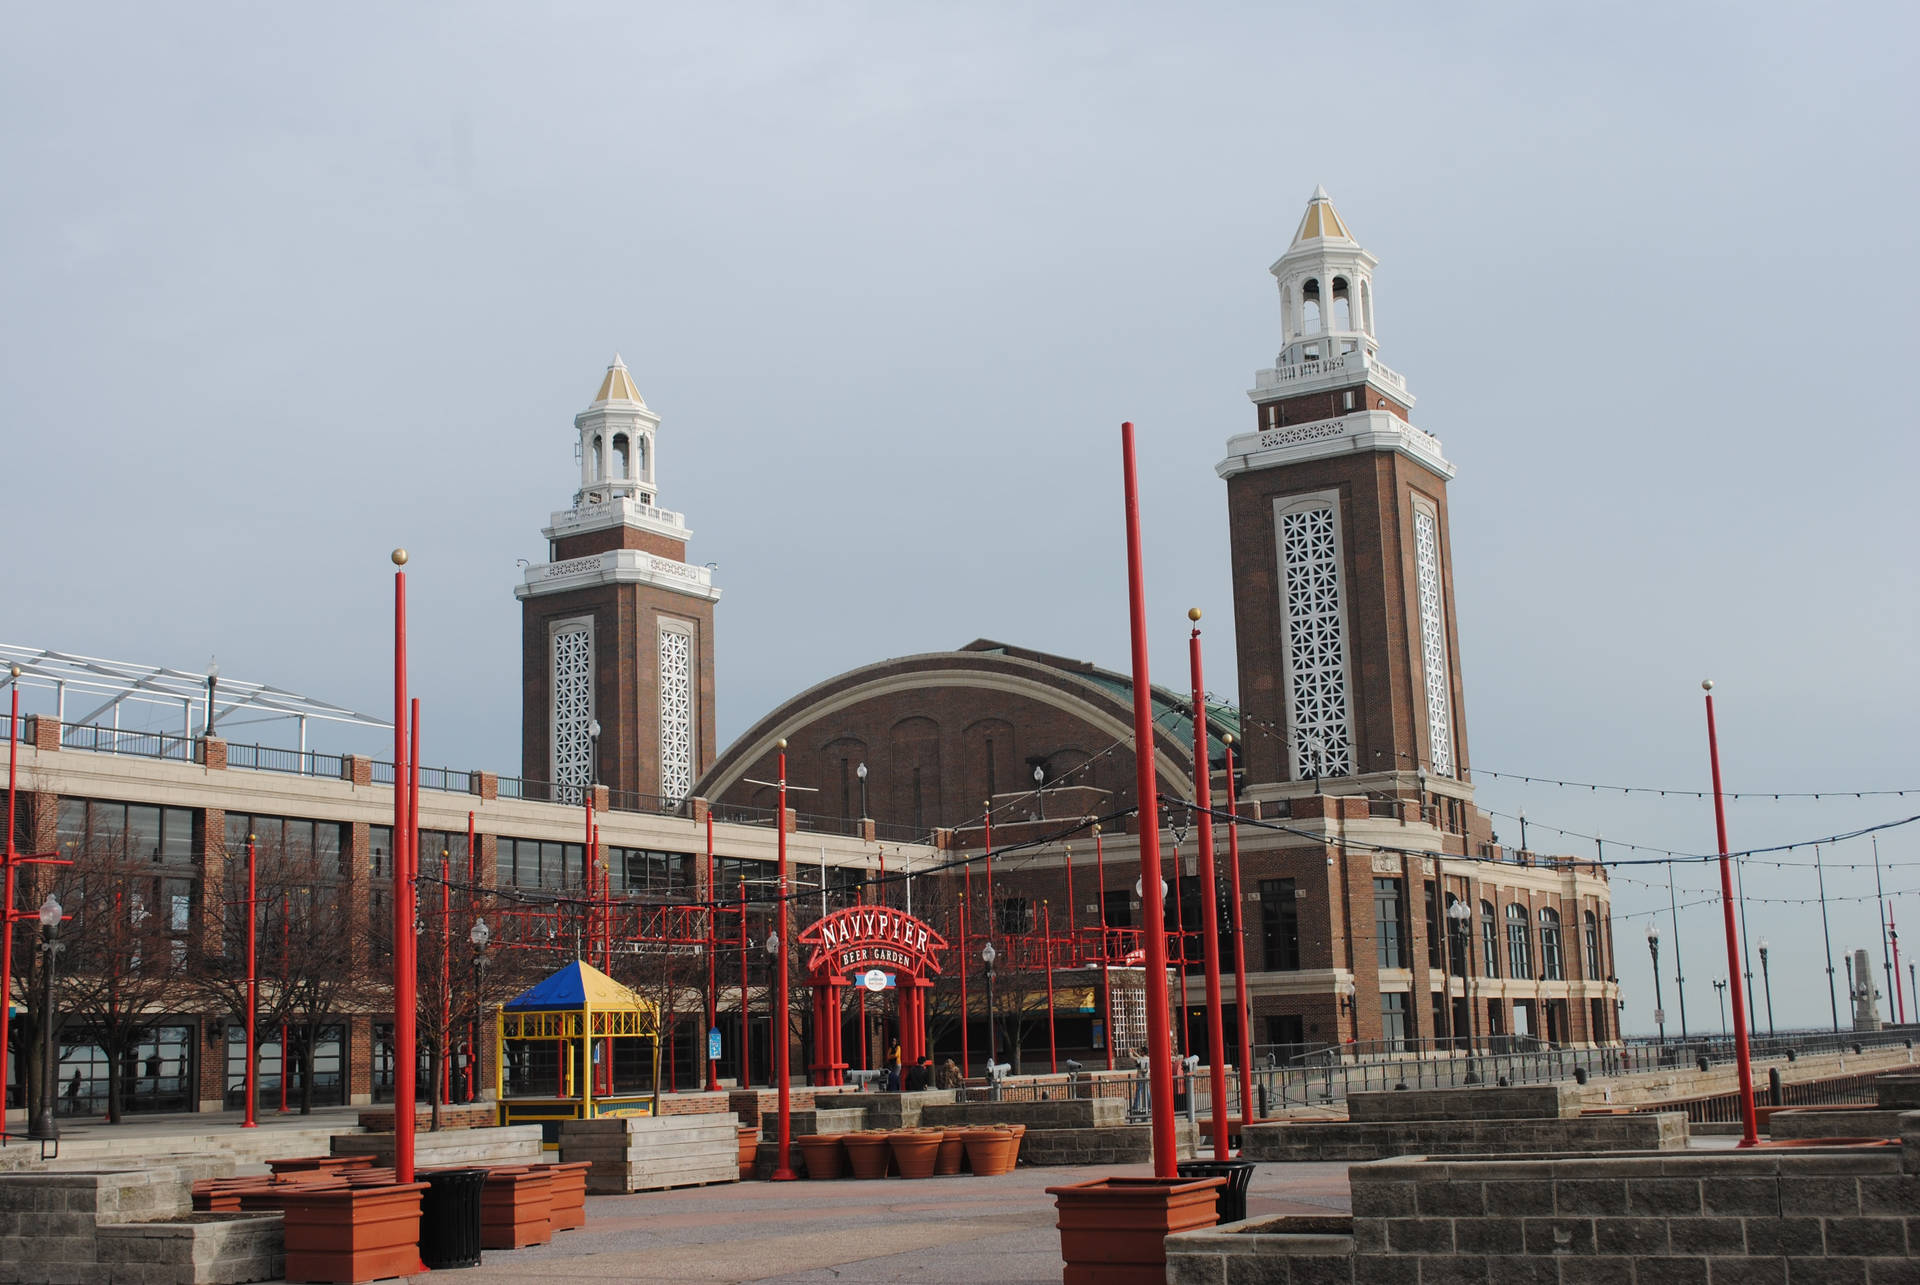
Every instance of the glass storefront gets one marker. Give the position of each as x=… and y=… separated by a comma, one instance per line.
x=274, y=1062
x=156, y=1075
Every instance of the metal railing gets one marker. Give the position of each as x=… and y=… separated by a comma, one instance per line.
x=268, y=758
x=111, y=740
x=1319, y=1078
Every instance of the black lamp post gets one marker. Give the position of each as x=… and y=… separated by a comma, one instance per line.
x=1720, y=988
x=213, y=682
x=479, y=934
x=43, y=1126
x=1039, y=789
x=987, y=955
x=1659, y=1005
x=861, y=772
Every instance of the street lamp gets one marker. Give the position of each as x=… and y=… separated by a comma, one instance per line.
x=1720, y=988
x=213, y=680
x=987, y=955
x=1659, y=1006
x=478, y=935
x=1459, y=914
x=1039, y=792
x=43, y=1127
x=1767, y=982
x=861, y=772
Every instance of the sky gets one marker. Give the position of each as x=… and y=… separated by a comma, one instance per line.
x=289, y=286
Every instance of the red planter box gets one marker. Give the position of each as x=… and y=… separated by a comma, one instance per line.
x=516, y=1208
x=353, y=1234
x=1113, y=1231
x=569, y=1202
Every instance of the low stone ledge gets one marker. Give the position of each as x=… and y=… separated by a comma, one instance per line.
x=195, y=1249
x=1523, y=1102
x=1266, y=1248
x=1813, y=1122
x=1332, y=1140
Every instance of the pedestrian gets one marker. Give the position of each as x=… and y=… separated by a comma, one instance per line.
x=950, y=1077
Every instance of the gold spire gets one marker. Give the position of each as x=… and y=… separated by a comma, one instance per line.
x=618, y=385
x=1321, y=220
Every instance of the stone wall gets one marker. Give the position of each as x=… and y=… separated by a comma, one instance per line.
x=511, y=1144
x=203, y=1249
x=1322, y=1140
x=49, y=1221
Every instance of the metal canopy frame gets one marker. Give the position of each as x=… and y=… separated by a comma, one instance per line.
x=107, y=685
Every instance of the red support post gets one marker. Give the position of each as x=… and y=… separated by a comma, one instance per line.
x=473, y=1033
x=1180, y=930
x=1209, y=900
x=1053, y=1045
x=444, y=1036
x=1243, y=1003
x=713, y=975
x=782, y=1166
x=1153, y=934
x=1106, y=970
x=253, y=989
x=403, y=978
x=1749, y=1118
x=6, y=909
x=746, y=1027
x=966, y=1013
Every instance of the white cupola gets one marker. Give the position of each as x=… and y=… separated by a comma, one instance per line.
x=1326, y=289
x=616, y=443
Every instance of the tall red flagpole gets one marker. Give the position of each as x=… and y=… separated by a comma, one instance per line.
x=1243, y=1002
x=966, y=1013
x=1153, y=934
x=713, y=976
x=6, y=910
x=782, y=1166
x=1053, y=1046
x=1210, y=899
x=1749, y=1118
x=253, y=991
x=403, y=978
x=1106, y=963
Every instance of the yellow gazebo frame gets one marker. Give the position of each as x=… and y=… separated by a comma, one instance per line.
x=583, y=1009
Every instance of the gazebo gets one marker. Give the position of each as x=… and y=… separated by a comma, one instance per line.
x=576, y=1046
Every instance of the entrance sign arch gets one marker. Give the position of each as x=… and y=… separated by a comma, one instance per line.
x=858, y=940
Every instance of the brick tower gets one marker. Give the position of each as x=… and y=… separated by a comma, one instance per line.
x=617, y=627
x=1343, y=581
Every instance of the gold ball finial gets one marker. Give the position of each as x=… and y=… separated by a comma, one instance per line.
x=781, y=744
x=1096, y=827
x=1227, y=737
x=1193, y=613
x=399, y=557
x=1706, y=684
x=15, y=671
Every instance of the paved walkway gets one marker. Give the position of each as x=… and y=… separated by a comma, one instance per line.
x=980, y=1231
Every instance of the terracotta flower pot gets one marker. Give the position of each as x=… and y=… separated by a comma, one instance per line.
x=953, y=1150
x=825, y=1160
x=1019, y=1132
x=353, y=1233
x=516, y=1208
x=989, y=1151
x=749, y=1140
x=867, y=1154
x=569, y=1204
x=914, y=1151
x=1113, y=1231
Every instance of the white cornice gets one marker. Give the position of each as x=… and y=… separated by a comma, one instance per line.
x=617, y=566
x=1375, y=430
x=616, y=512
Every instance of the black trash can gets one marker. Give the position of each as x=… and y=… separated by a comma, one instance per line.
x=450, y=1218
x=1232, y=1199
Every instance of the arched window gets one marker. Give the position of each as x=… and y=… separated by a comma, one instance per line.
x=1550, y=969
x=620, y=455
x=599, y=470
x=1310, y=308
x=1593, y=946
x=1342, y=307
x=1519, y=943
x=1489, y=941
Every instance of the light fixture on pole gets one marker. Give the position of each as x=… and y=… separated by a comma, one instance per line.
x=1659, y=1007
x=213, y=680
x=861, y=772
x=1720, y=989
x=43, y=1127
x=1039, y=789
x=1463, y=937
x=1766, y=981
x=987, y=955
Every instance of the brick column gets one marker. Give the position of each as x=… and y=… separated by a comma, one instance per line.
x=211, y=843
x=41, y=732
x=358, y=859
x=213, y=754
x=356, y=768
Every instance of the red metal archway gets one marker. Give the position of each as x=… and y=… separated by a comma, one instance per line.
x=861, y=939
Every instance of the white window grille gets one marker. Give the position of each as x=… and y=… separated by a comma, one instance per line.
x=572, y=720
x=1433, y=643
x=676, y=712
x=1316, y=653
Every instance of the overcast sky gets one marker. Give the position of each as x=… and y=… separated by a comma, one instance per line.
x=287, y=286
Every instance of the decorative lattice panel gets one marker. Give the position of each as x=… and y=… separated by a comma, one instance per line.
x=676, y=714
x=1433, y=643
x=572, y=712
x=1316, y=645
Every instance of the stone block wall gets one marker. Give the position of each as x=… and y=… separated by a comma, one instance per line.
x=1321, y=1140
x=49, y=1221
x=1526, y=1102
x=211, y=1249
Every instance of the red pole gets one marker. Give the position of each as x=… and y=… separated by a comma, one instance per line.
x=592, y=911
x=782, y=1169
x=1106, y=971
x=1749, y=1119
x=989, y=842
x=1071, y=959
x=253, y=987
x=746, y=1030
x=445, y=1034
x=1053, y=1046
x=1153, y=934
x=713, y=974
x=860, y=899
x=6, y=909
x=403, y=979
x=966, y=1013
x=285, y=926
x=1209, y=900
x=473, y=1041
x=1243, y=1002
x=1180, y=929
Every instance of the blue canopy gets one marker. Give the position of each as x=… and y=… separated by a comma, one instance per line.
x=577, y=986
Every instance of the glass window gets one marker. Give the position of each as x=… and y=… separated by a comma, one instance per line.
x=143, y=832
x=1013, y=915
x=1519, y=943
x=1389, y=925
x=1550, y=944
x=176, y=836
x=1489, y=941
x=1593, y=946
x=1280, y=924
x=1119, y=907
x=1393, y=1021
x=380, y=850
